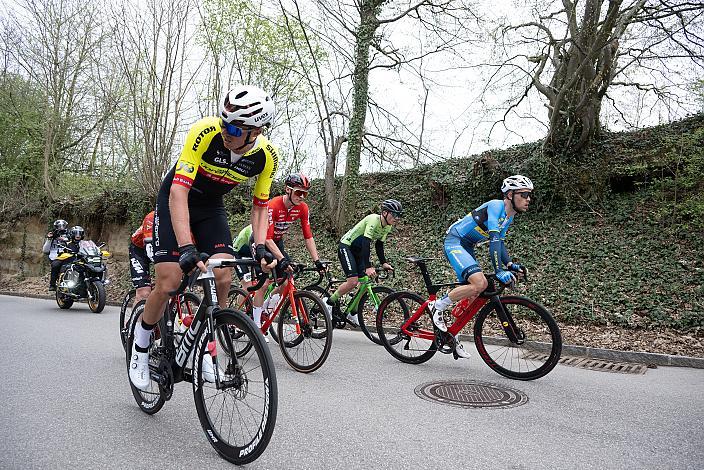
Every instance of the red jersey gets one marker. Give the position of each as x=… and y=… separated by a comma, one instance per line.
x=281, y=218
x=144, y=231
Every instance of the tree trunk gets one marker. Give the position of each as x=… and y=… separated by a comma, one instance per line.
x=360, y=95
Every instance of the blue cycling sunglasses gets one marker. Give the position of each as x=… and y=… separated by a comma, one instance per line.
x=231, y=129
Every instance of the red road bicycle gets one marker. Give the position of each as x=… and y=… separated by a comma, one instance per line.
x=304, y=325
x=515, y=336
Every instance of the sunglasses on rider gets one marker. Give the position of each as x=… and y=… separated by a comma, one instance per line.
x=299, y=192
x=231, y=129
x=526, y=195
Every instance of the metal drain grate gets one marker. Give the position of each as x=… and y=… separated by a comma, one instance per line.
x=595, y=364
x=471, y=394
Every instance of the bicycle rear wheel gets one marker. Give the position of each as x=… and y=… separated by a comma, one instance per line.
x=305, y=341
x=537, y=348
x=239, y=415
x=367, y=310
x=393, y=312
x=153, y=398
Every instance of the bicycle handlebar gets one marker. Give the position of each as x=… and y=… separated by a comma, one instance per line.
x=189, y=279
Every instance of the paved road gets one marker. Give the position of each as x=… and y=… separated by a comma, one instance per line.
x=67, y=404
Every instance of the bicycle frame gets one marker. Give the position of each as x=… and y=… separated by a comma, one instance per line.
x=463, y=312
x=289, y=289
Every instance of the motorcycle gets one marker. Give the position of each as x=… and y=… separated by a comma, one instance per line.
x=84, y=277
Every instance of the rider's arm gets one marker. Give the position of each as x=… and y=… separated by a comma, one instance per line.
x=312, y=249
x=263, y=185
x=379, y=246
x=505, y=258
x=365, y=249
x=180, y=218
x=274, y=249
x=46, y=249
x=260, y=223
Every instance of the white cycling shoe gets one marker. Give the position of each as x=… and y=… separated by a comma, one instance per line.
x=208, y=370
x=461, y=351
x=438, y=319
x=353, y=319
x=139, y=369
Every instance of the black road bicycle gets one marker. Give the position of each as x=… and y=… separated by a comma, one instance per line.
x=225, y=357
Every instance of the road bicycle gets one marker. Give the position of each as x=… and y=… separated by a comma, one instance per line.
x=183, y=307
x=229, y=365
x=363, y=302
x=303, y=323
x=515, y=336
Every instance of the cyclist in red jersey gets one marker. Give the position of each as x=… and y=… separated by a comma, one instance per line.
x=283, y=211
x=140, y=252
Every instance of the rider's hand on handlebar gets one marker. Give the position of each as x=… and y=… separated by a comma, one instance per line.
x=518, y=268
x=320, y=266
x=387, y=266
x=50, y=235
x=189, y=259
x=370, y=271
x=265, y=258
x=506, y=277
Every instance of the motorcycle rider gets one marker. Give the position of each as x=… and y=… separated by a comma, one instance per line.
x=52, y=246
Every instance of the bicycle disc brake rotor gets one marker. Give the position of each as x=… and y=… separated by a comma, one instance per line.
x=238, y=385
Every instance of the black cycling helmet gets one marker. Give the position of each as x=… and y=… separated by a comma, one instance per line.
x=298, y=180
x=76, y=232
x=60, y=225
x=393, y=206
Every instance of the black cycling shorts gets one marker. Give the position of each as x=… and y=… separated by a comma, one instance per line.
x=351, y=261
x=208, y=226
x=139, y=267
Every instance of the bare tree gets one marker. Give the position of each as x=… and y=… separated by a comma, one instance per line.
x=577, y=53
x=54, y=49
x=356, y=35
x=152, y=46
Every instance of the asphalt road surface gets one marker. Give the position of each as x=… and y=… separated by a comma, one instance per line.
x=67, y=404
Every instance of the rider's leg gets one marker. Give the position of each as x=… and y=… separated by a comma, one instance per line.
x=223, y=279
x=142, y=293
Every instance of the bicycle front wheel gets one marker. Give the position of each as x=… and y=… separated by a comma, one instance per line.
x=305, y=339
x=238, y=414
x=537, y=345
x=413, y=346
x=125, y=316
x=367, y=310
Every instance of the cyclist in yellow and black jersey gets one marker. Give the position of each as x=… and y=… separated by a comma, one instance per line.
x=219, y=153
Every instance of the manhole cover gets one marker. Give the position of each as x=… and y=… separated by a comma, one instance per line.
x=471, y=394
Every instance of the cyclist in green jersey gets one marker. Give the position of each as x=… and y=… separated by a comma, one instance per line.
x=355, y=249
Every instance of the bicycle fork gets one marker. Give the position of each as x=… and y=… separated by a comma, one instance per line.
x=513, y=332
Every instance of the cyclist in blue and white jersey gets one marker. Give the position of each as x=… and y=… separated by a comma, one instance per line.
x=490, y=221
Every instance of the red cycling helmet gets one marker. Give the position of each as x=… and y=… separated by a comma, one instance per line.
x=298, y=180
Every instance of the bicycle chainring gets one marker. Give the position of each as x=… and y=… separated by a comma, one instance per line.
x=445, y=342
x=167, y=387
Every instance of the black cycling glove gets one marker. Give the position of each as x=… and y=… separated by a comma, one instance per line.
x=261, y=253
x=188, y=257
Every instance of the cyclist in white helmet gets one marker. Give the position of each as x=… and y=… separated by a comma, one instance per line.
x=490, y=221
x=220, y=153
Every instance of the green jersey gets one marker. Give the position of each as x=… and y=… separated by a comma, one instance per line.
x=370, y=227
x=243, y=238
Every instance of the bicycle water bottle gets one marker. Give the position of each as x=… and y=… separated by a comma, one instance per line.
x=460, y=308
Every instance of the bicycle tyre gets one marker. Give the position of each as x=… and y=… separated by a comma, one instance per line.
x=301, y=341
x=239, y=299
x=544, y=346
x=153, y=400
x=124, y=318
x=369, y=317
x=394, y=310
x=243, y=383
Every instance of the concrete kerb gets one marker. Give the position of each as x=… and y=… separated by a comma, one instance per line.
x=567, y=350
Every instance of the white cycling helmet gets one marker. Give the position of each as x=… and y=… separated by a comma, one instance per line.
x=248, y=106
x=516, y=182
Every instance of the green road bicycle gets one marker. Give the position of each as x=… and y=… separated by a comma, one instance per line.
x=364, y=302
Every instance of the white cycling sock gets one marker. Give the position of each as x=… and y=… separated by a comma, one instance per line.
x=142, y=336
x=257, y=313
x=443, y=303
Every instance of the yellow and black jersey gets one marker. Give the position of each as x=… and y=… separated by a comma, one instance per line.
x=207, y=168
